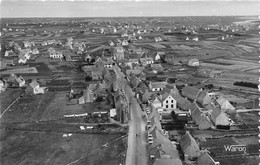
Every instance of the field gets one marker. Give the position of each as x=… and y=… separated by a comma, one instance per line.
x=20, y=71
x=52, y=148
x=28, y=108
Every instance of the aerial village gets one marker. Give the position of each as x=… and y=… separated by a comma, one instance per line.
x=197, y=92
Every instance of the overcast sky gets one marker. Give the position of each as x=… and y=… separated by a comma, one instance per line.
x=116, y=8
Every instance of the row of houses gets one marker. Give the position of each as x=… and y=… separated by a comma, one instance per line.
x=167, y=99
x=163, y=151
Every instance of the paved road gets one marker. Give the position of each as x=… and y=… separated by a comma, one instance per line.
x=136, y=151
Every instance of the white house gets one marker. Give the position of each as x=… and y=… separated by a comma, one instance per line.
x=20, y=80
x=124, y=43
x=193, y=62
x=195, y=39
x=22, y=60
x=3, y=85
x=35, y=88
x=111, y=43
x=156, y=103
x=56, y=55
x=157, y=86
x=168, y=102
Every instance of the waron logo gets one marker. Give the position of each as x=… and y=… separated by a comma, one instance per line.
x=236, y=148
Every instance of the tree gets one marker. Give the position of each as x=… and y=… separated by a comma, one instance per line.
x=88, y=78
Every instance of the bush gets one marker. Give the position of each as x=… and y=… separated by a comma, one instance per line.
x=88, y=78
x=245, y=84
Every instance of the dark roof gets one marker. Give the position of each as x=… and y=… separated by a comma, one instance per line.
x=215, y=113
x=190, y=92
x=195, y=111
x=163, y=145
x=186, y=141
x=201, y=96
x=182, y=103
x=34, y=83
x=205, y=159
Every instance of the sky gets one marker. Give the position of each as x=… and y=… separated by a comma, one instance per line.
x=126, y=8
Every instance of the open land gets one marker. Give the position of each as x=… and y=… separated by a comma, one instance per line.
x=34, y=129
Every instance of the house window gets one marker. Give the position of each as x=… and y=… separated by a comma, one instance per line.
x=172, y=101
x=172, y=105
x=166, y=101
x=166, y=106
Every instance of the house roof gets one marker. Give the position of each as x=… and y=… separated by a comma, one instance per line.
x=190, y=92
x=201, y=96
x=157, y=84
x=202, y=119
x=12, y=77
x=162, y=147
x=194, y=60
x=92, y=87
x=134, y=81
x=215, y=113
x=34, y=84
x=195, y=111
x=225, y=104
x=167, y=162
x=186, y=141
x=88, y=95
x=205, y=159
x=182, y=103
x=20, y=79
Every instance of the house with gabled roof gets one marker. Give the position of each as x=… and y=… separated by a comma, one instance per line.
x=203, y=98
x=193, y=62
x=157, y=86
x=35, y=51
x=224, y=104
x=219, y=118
x=20, y=80
x=96, y=75
x=156, y=67
x=35, y=88
x=134, y=81
x=111, y=43
x=133, y=72
x=189, y=146
x=109, y=63
x=3, y=85
x=195, y=111
x=203, y=122
x=144, y=95
x=146, y=61
x=162, y=147
x=87, y=97
x=124, y=42
x=190, y=92
x=206, y=159
x=156, y=102
x=182, y=103
x=168, y=102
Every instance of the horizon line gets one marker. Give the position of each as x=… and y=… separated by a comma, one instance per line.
x=141, y=16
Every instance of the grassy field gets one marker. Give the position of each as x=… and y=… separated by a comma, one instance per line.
x=28, y=108
x=28, y=148
x=7, y=97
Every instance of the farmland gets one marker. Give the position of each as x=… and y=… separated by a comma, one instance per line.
x=71, y=122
